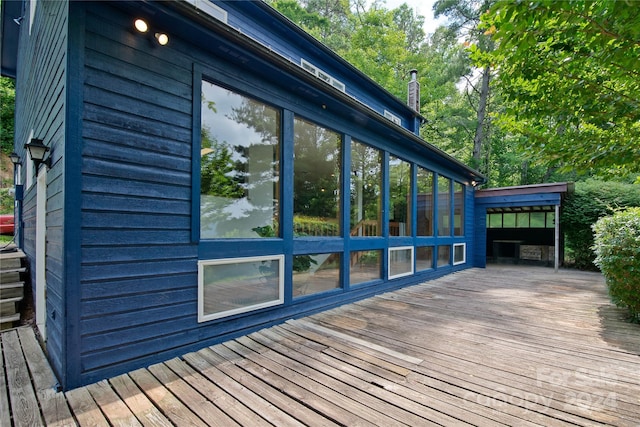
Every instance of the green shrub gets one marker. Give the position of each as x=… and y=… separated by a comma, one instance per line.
x=617, y=250
x=591, y=201
x=311, y=226
x=6, y=201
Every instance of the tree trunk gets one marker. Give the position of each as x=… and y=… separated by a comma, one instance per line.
x=482, y=113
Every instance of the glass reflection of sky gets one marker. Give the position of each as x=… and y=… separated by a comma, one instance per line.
x=222, y=127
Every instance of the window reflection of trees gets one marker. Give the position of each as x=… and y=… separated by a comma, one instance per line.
x=399, y=197
x=239, y=165
x=458, y=209
x=366, y=184
x=444, y=206
x=316, y=179
x=425, y=202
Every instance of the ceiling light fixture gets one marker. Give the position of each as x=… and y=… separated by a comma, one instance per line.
x=162, y=39
x=141, y=25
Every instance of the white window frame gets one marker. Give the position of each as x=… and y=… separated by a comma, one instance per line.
x=210, y=9
x=400, y=248
x=464, y=253
x=322, y=75
x=395, y=119
x=202, y=264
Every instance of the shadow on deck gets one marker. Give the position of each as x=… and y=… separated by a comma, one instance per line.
x=507, y=345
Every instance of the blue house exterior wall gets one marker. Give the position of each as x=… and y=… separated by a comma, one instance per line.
x=122, y=269
x=41, y=85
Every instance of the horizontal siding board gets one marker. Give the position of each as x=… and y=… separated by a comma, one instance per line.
x=127, y=237
x=97, y=326
x=131, y=106
x=132, y=350
x=124, y=203
x=106, y=254
x=137, y=269
x=130, y=187
x=109, y=134
x=134, y=221
x=126, y=154
x=137, y=92
x=520, y=200
x=137, y=124
x=140, y=330
x=138, y=303
x=139, y=67
x=133, y=286
x=141, y=172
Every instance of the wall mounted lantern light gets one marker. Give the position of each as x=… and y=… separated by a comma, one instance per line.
x=15, y=159
x=37, y=151
x=160, y=38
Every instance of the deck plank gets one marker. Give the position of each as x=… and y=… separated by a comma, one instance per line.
x=84, y=408
x=197, y=402
x=5, y=413
x=113, y=408
x=167, y=403
x=232, y=410
x=257, y=382
x=22, y=396
x=143, y=409
x=52, y=403
x=250, y=397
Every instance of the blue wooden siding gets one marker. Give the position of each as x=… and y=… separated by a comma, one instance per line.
x=40, y=107
x=139, y=267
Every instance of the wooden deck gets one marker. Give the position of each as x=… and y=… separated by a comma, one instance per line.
x=515, y=346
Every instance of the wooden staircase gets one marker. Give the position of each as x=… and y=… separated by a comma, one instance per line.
x=11, y=285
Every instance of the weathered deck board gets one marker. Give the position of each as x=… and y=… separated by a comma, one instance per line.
x=518, y=346
x=22, y=396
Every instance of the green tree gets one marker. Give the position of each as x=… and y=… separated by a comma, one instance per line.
x=7, y=108
x=591, y=201
x=569, y=73
x=464, y=19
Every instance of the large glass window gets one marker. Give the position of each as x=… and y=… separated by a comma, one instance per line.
x=424, y=258
x=365, y=266
x=537, y=219
x=458, y=209
x=315, y=273
x=444, y=206
x=509, y=220
x=399, y=197
x=444, y=256
x=239, y=165
x=425, y=202
x=366, y=185
x=238, y=285
x=316, y=180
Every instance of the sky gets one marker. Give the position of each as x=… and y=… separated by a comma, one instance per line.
x=424, y=8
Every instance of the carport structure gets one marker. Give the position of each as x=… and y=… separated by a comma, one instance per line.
x=520, y=224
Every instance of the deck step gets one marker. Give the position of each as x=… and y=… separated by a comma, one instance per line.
x=12, y=267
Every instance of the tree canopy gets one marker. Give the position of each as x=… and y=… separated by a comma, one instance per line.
x=569, y=73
